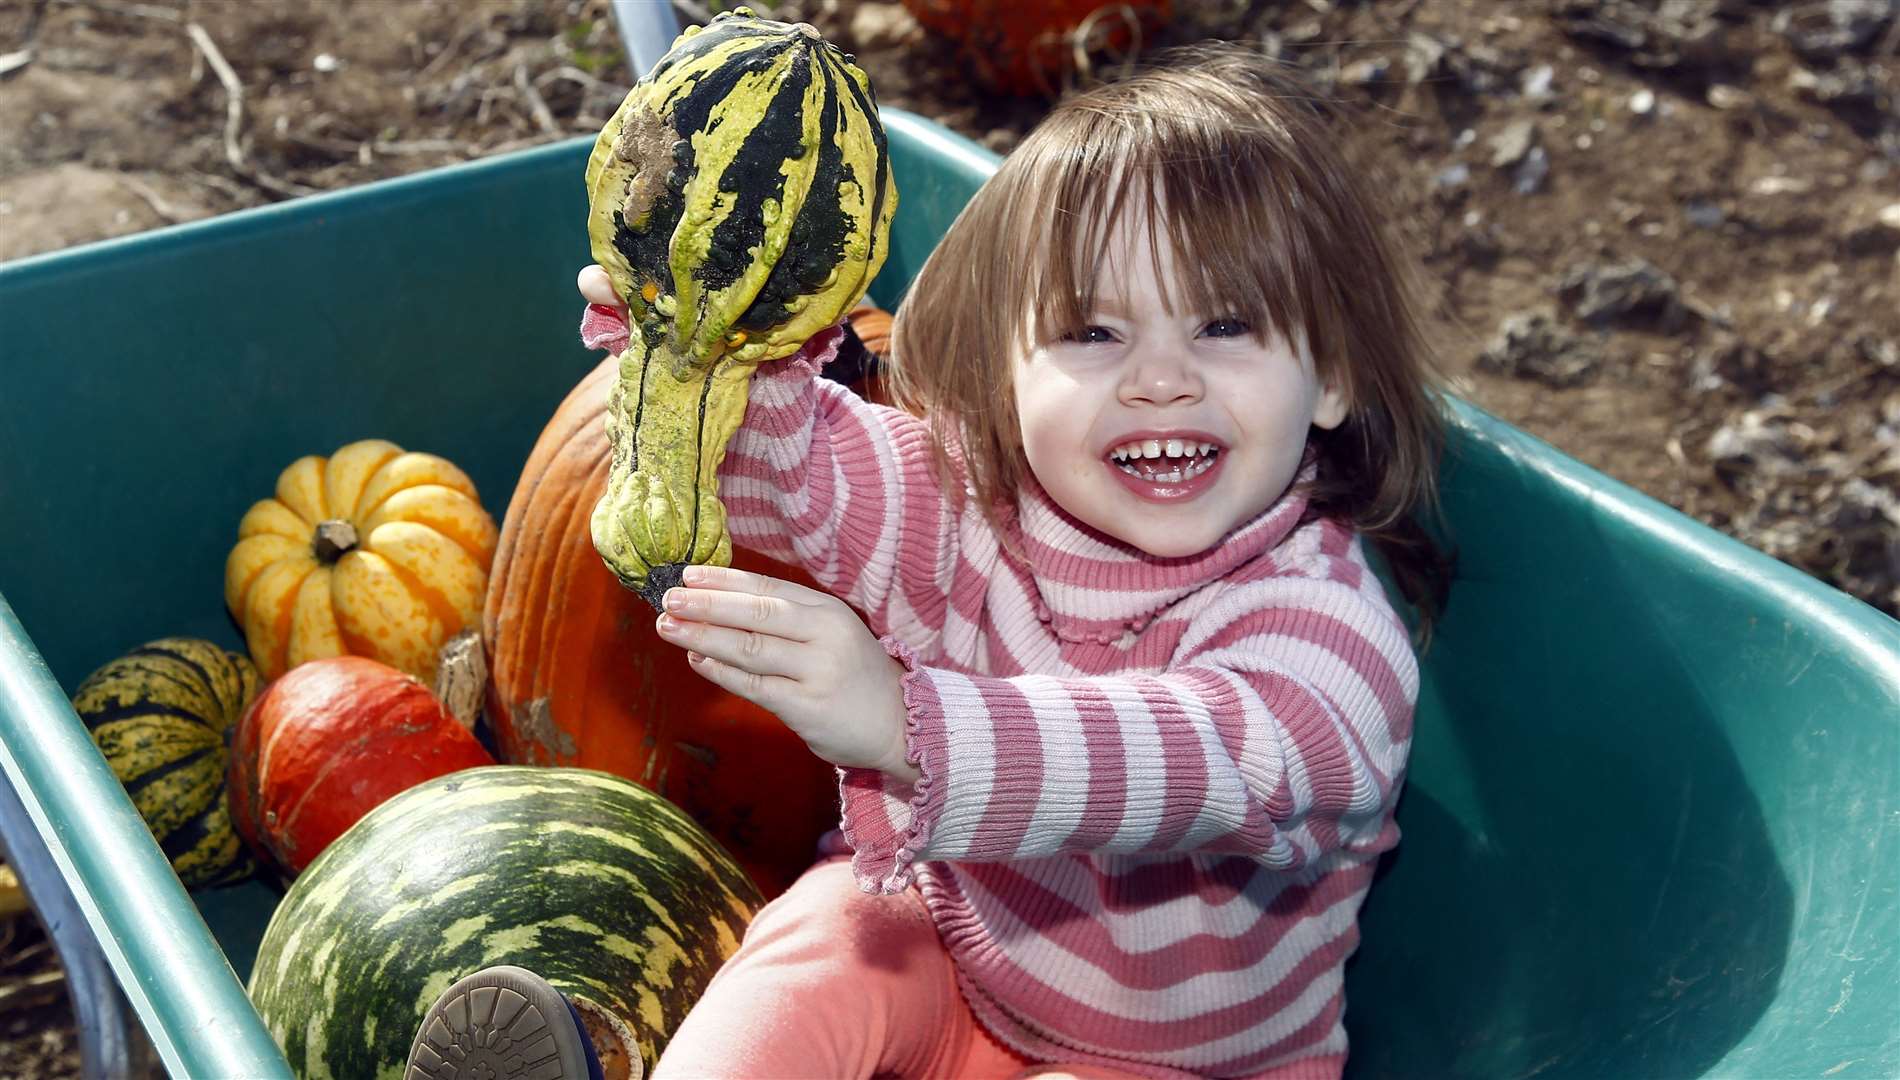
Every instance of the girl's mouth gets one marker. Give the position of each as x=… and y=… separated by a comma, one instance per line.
x=1165, y=470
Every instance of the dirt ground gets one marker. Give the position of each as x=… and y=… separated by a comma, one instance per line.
x=1663, y=235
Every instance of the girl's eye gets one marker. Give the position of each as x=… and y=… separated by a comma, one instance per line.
x=1228, y=327
x=1090, y=335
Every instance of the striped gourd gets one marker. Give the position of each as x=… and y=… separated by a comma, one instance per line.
x=740, y=199
x=160, y=715
x=605, y=889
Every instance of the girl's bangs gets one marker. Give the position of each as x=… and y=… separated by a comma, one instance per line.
x=1217, y=203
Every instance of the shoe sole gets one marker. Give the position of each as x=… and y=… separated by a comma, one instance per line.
x=501, y=1023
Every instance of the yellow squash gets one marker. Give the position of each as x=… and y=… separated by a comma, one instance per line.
x=371, y=551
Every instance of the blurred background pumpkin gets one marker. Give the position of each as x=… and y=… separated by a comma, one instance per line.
x=1028, y=47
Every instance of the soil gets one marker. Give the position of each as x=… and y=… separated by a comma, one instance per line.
x=1663, y=236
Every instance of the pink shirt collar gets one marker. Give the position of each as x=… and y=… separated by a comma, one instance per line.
x=1096, y=588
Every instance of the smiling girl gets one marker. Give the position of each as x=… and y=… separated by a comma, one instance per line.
x=1121, y=712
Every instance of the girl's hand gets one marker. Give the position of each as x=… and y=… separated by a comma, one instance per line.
x=799, y=653
x=597, y=288
x=604, y=325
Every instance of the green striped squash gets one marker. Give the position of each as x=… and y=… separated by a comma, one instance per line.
x=162, y=715
x=740, y=199
x=605, y=889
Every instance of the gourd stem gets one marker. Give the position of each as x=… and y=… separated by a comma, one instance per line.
x=335, y=538
x=659, y=579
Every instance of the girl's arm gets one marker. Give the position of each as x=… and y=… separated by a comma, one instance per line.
x=819, y=478
x=842, y=488
x=1280, y=733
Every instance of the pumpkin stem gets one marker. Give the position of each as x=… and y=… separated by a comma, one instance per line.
x=334, y=539
x=461, y=678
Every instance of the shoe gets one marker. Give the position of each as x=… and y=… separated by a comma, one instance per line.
x=502, y=1023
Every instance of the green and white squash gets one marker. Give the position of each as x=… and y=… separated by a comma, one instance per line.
x=161, y=715
x=740, y=199
x=605, y=889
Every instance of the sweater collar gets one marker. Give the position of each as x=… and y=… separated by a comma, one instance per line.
x=1093, y=587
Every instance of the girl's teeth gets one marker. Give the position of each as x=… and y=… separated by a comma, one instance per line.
x=1156, y=448
x=1174, y=476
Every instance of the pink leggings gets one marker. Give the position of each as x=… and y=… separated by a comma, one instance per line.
x=830, y=982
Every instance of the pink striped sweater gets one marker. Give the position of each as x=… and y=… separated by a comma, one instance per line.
x=1153, y=791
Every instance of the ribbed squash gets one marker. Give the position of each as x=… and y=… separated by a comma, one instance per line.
x=599, y=886
x=371, y=551
x=740, y=199
x=160, y=715
x=578, y=675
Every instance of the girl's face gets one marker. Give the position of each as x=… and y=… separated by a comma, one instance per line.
x=1165, y=429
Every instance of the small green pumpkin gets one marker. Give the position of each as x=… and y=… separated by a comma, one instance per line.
x=606, y=890
x=160, y=715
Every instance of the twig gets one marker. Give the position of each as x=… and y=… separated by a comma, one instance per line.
x=542, y=114
x=26, y=955
x=399, y=148
x=469, y=30
x=1889, y=42
x=233, y=93
x=143, y=11
x=236, y=192
x=234, y=117
x=163, y=209
x=591, y=87
x=31, y=32
x=573, y=75
x=512, y=144
x=694, y=13
x=345, y=148
x=38, y=988
x=1085, y=37
x=14, y=61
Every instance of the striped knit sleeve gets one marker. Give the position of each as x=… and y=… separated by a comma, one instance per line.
x=1280, y=732
x=845, y=489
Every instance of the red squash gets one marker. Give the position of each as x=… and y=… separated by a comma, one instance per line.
x=326, y=743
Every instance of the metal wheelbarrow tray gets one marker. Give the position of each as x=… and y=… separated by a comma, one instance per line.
x=1652, y=827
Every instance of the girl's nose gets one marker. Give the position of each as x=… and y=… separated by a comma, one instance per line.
x=1160, y=377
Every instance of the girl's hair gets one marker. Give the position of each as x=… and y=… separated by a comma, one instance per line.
x=1236, y=167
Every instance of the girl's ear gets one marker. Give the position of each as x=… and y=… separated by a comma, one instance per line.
x=1329, y=410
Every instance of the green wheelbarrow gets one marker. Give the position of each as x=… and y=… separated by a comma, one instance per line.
x=1652, y=827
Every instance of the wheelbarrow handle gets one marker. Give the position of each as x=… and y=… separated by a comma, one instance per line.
x=111, y=1042
x=647, y=29
x=107, y=894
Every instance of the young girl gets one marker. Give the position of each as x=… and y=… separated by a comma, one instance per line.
x=1122, y=723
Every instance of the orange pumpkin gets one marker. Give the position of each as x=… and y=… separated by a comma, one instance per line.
x=578, y=676
x=1027, y=48
x=369, y=552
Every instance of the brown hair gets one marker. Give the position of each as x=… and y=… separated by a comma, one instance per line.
x=1281, y=233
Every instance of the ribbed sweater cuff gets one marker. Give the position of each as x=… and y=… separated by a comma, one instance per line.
x=886, y=821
